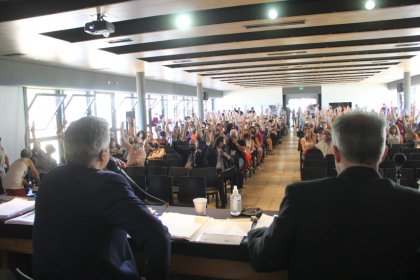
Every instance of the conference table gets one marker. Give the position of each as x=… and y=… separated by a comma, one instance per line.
x=188, y=258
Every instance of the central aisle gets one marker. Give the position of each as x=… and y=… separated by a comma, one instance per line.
x=266, y=187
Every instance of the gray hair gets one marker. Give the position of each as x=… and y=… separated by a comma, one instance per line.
x=26, y=153
x=360, y=137
x=84, y=139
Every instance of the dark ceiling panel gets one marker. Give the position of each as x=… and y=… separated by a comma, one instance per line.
x=378, y=59
x=223, y=15
x=275, y=58
x=394, y=40
x=268, y=34
x=14, y=10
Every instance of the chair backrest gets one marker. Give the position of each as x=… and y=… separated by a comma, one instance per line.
x=314, y=163
x=210, y=173
x=191, y=187
x=329, y=157
x=140, y=180
x=177, y=172
x=408, y=176
x=309, y=173
x=135, y=170
x=410, y=151
x=161, y=187
x=157, y=170
x=314, y=154
x=156, y=162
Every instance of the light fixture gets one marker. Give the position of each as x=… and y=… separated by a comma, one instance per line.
x=272, y=14
x=370, y=4
x=183, y=21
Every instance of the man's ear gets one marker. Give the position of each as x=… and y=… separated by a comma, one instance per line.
x=337, y=154
x=384, y=155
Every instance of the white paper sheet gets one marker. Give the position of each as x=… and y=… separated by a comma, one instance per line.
x=26, y=219
x=265, y=221
x=182, y=226
x=14, y=207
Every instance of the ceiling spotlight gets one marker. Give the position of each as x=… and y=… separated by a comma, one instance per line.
x=272, y=14
x=370, y=4
x=183, y=21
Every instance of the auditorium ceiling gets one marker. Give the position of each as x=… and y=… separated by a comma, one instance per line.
x=230, y=44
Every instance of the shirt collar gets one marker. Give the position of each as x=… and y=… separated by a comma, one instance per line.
x=360, y=172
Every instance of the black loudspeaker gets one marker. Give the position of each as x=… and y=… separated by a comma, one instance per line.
x=205, y=96
x=400, y=87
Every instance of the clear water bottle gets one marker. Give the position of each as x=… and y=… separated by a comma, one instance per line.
x=235, y=202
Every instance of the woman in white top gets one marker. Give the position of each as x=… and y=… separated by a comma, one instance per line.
x=14, y=183
x=394, y=136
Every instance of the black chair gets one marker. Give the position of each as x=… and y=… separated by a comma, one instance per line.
x=213, y=183
x=156, y=162
x=135, y=170
x=410, y=151
x=408, y=177
x=157, y=170
x=387, y=164
x=189, y=188
x=174, y=163
x=313, y=154
x=140, y=180
x=415, y=156
x=329, y=157
x=176, y=173
x=314, y=163
x=227, y=176
x=160, y=186
x=332, y=172
x=309, y=173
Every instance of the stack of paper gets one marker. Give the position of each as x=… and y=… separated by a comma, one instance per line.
x=15, y=207
x=183, y=226
x=229, y=231
x=26, y=219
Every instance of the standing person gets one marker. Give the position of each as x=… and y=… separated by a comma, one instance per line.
x=44, y=160
x=344, y=227
x=4, y=161
x=83, y=215
x=14, y=182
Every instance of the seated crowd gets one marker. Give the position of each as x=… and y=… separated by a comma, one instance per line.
x=228, y=139
x=314, y=128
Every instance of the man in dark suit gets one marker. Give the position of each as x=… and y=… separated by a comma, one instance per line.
x=83, y=215
x=355, y=226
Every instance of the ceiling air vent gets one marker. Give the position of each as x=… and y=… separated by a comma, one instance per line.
x=286, y=53
x=407, y=45
x=275, y=24
x=182, y=61
x=122, y=40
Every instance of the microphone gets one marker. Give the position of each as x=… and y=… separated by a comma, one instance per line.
x=113, y=166
x=399, y=159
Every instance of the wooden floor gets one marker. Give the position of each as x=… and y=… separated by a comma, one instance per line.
x=265, y=189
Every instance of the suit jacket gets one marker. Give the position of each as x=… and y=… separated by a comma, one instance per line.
x=354, y=226
x=212, y=159
x=82, y=219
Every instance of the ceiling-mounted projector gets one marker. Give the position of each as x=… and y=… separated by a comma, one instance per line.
x=100, y=27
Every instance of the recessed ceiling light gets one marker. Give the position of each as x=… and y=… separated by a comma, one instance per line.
x=183, y=21
x=370, y=5
x=272, y=14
